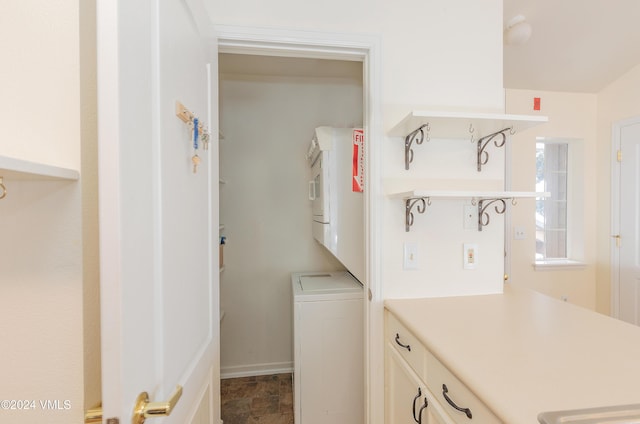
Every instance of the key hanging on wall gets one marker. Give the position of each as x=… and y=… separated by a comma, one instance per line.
x=198, y=132
x=195, y=159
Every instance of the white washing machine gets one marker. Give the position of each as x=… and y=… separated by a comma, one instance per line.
x=328, y=339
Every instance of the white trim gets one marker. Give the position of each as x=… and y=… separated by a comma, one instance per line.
x=508, y=172
x=374, y=309
x=615, y=211
x=355, y=47
x=256, y=369
x=292, y=43
x=559, y=265
x=109, y=206
x=615, y=219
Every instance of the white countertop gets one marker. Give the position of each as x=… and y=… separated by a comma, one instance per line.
x=523, y=353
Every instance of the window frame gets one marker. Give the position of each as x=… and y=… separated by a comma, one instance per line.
x=574, y=213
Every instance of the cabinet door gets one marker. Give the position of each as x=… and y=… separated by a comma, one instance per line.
x=405, y=394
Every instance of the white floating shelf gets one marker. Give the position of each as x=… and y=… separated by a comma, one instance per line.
x=18, y=169
x=455, y=194
x=456, y=125
x=419, y=200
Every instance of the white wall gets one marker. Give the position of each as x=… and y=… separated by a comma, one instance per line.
x=439, y=54
x=268, y=123
x=571, y=116
x=40, y=222
x=616, y=102
x=39, y=81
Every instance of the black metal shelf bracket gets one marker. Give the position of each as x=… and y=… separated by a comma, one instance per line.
x=483, y=214
x=499, y=138
x=418, y=136
x=420, y=204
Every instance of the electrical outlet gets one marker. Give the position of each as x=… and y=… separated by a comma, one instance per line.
x=470, y=217
x=411, y=256
x=470, y=256
x=519, y=233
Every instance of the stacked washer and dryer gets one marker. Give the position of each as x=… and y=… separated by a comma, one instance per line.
x=328, y=308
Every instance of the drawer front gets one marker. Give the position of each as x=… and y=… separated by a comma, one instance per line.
x=406, y=344
x=458, y=394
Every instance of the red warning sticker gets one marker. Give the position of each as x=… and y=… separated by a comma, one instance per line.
x=536, y=103
x=357, y=182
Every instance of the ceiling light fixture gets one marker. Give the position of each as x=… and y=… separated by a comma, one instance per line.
x=518, y=31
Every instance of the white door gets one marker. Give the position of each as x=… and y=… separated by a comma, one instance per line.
x=158, y=219
x=627, y=299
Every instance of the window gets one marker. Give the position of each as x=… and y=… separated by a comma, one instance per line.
x=551, y=212
x=559, y=219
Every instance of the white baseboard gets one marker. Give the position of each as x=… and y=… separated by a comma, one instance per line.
x=256, y=369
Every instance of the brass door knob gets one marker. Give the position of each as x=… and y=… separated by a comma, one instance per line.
x=93, y=415
x=145, y=409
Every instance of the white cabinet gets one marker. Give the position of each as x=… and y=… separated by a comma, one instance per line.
x=461, y=404
x=406, y=395
x=413, y=375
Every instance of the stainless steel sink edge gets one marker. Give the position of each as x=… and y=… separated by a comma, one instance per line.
x=617, y=414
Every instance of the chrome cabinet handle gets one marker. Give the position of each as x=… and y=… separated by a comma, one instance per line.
x=422, y=409
x=414, y=405
x=408, y=347
x=467, y=411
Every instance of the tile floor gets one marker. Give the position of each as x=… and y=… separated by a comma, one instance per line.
x=265, y=399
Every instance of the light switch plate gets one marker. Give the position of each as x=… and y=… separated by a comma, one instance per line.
x=411, y=256
x=470, y=217
x=470, y=256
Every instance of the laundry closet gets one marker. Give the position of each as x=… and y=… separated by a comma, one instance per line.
x=269, y=110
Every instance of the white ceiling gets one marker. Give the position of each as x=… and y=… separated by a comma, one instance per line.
x=576, y=45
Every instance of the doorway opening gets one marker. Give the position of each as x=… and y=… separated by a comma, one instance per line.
x=269, y=108
x=364, y=49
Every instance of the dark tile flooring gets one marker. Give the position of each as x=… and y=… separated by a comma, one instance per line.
x=265, y=399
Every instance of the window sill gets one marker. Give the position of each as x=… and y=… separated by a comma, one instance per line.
x=558, y=265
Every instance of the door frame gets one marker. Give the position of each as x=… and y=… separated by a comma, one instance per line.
x=365, y=49
x=616, y=132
